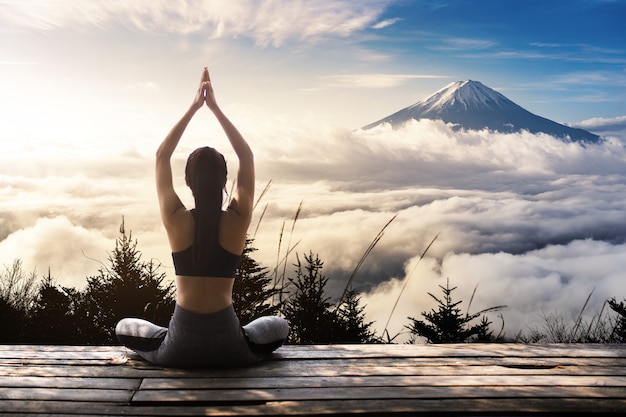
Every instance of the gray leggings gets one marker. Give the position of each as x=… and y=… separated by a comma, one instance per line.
x=203, y=340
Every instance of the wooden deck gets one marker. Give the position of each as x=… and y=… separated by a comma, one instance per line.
x=468, y=379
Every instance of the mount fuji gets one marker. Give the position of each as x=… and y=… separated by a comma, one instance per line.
x=472, y=105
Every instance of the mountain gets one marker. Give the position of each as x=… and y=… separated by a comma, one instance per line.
x=472, y=105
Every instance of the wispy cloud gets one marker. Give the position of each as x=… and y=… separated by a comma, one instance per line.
x=546, y=45
x=385, y=23
x=588, y=78
x=268, y=22
x=582, y=86
x=16, y=63
x=547, y=52
x=374, y=80
x=144, y=85
x=601, y=124
x=463, y=44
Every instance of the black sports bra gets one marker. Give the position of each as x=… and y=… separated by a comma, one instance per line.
x=220, y=263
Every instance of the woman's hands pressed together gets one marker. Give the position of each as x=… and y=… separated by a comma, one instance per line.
x=205, y=94
x=202, y=93
x=209, y=95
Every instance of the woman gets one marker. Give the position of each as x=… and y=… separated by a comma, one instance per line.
x=206, y=244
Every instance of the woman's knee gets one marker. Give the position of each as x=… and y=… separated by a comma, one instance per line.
x=267, y=329
x=139, y=334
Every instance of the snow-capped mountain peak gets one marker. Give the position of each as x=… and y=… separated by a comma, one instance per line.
x=463, y=94
x=472, y=105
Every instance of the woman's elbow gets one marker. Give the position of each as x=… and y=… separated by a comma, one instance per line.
x=248, y=156
x=161, y=154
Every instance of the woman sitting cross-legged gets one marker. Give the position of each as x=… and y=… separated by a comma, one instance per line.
x=207, y=243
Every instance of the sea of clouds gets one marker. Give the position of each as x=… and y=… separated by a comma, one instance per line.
x=527, y=221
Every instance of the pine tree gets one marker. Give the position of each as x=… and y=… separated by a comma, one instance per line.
x=56, y=315
x=17, y=293
x=619, y=331
x=447, y=324
x=307, y=308
x=352, y=327
x=128, y=288
x=253, y=290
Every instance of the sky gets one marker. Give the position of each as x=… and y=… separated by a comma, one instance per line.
x=90, y=90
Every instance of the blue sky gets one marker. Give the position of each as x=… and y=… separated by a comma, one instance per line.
x=562, y=59
x=89, y=89
x=349, y=62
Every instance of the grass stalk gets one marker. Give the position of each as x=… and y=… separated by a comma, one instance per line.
x=580, y=317
x=280, y=242
x=265, y=190
x=406, y=282
x=471, y=300
x=256, y=229
x=363, y=257
x=289, y=248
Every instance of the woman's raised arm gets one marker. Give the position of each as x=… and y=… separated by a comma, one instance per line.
x=169, y=202
x=242, y=201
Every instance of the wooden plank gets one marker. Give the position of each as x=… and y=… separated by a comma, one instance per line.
x=400, y=361
x=67, y=394
x=60, y=354
x=368, y=393
x=393, y=366
x=57, y=362
x=372, y=381
x=362, y=351
x=62, y=348
x=306, y=408
x=69, y=382
x=452, y=350
x=574, y=356
x=328, y=370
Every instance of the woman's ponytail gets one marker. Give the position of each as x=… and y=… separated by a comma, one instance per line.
x=206, y=176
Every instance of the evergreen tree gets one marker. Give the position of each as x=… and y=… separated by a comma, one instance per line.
x=17, y=292
x=351, y=321
x=307, y=308
x=12, y=322
x=129, y=288
x=619, y=331
x=253, y=290
x=56, y=315
x=483, y=334
x=447, y=324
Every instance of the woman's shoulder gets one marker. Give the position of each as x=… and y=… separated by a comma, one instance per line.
x=181, y=231
x=233, y=229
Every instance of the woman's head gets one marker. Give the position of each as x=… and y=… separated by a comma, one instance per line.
x=205, y=173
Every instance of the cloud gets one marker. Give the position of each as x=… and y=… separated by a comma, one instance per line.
x=144, y=85
x=53, y=14
x=554, y=280
x=59, y=245
x=386, y=23
x=429, y=153
x=521, y=213
x=574, y=53
x=16, y=63
x=463, y=44
x=547, y=45
x=268, y=22
x=373, y=80
x=612, y=129
x=601, y=125
x=514, y=213
x=587, y=78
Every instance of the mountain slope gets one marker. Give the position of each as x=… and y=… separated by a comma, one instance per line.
x=472, y=105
